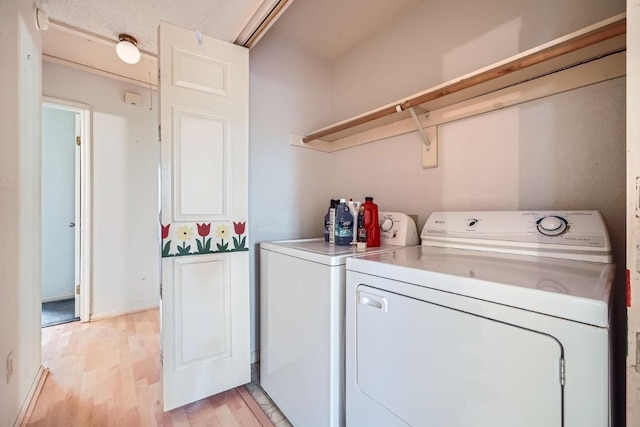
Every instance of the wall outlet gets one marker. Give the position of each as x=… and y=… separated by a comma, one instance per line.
x=9, y=366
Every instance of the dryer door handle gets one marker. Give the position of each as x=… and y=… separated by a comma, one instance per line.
x=373, y=301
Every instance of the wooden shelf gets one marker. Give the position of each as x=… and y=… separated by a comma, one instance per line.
x=588, y=44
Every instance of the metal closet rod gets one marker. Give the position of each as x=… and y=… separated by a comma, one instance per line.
x=562, y=48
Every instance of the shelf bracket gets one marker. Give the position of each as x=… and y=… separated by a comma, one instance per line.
x=416, y=121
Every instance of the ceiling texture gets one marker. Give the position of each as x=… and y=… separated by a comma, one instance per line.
x=222, y=19
x=83, y=33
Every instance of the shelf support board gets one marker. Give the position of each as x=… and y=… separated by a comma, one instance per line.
x=416, y=121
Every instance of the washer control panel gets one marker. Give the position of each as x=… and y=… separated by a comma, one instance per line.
x=558, y=234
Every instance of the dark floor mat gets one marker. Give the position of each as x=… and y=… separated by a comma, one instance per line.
x=57, y=312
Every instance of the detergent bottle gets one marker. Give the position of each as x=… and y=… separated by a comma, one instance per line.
x=369, y=230
x=327, y=219
x=344, y=224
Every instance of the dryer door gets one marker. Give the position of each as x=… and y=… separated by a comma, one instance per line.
x=432, y=365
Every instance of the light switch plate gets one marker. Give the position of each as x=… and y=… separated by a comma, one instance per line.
x=430, y=156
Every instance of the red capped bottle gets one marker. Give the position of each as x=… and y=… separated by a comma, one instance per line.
x=370, y=222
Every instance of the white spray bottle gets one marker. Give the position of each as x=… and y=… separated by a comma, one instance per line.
x=354, y=207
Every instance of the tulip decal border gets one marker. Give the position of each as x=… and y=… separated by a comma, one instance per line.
x=184, y=242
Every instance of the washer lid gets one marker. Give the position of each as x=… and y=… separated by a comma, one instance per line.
x=573, y=290
x=317, y=250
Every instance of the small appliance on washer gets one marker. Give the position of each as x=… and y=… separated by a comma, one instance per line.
x=499, y=319
x=302, y=321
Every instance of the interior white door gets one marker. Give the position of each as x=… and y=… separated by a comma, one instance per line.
x=58, y=200
x=204, y=178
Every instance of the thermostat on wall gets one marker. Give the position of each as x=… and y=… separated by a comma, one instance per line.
x=132, y=98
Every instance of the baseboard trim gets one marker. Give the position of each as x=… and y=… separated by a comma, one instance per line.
x=255, y=356
x=254, y=407
x=32, y=397
x=58, y=298
x=118, y=313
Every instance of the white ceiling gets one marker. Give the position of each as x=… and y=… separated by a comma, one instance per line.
x=84, y=32
x=222, y=19
x=331, y=27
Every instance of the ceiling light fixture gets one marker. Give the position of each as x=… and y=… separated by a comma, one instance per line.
x=127, y=49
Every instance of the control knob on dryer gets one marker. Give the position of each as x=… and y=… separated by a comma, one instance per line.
x=386, y=224
x=552, y=225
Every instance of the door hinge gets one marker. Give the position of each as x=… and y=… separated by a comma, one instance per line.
x=562, y=371
x=77, y=289
x=78, y=140
x=159, y=134
x=161, y=358
x=160, y=290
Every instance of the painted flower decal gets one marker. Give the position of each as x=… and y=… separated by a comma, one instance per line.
x=239, y=242
x=204, y=244
x=238, y=227
x=166, y=249
x=204, y=229
x=222, y=231
x=184, y=233
x=165, y=231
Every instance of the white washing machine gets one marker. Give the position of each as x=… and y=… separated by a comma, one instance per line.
x=499, y=319
x=302, y=321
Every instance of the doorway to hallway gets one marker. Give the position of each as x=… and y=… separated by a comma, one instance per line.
x=64, y=202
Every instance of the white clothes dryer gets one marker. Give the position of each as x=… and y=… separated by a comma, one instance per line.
x=302, y=321
x=499, y=319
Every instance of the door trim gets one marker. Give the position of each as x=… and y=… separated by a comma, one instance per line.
x=86, y=192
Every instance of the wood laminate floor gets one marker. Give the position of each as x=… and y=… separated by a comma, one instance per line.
x=107, y=373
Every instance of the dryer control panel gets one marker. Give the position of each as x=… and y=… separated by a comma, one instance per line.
x=397, y=229
x=579, y=235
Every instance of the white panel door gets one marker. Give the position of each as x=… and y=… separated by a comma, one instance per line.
x=204, y=174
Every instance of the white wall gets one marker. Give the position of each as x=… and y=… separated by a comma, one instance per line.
x=125, y=150
x=289, y=92
x=58, y=178
x=20, y=50
x=442, y=40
